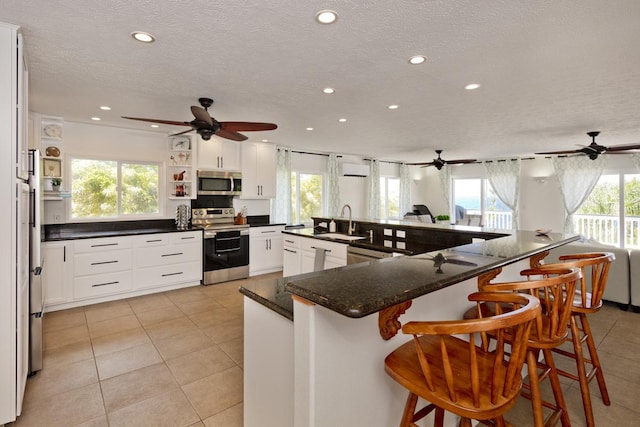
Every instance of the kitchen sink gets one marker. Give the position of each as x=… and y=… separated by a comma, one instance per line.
x=340, y=236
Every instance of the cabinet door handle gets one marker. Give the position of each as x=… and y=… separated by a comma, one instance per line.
x=289, y=250
x=289, y=241
x=64, y=254
x=269, y=244
x=154, y=240
x=266, y=244
x=175, y=254
x=104, y=244
x=172, y=274
x=326, y=250
x=105, y=284
x=270, y=231
x=104, y=262
x=187, y=238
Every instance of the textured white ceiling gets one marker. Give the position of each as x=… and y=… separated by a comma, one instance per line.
x=550, y=70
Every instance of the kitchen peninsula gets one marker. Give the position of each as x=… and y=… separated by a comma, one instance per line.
x=314, y=346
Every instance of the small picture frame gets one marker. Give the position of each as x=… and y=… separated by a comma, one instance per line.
x=51, y=168
x=180, y=143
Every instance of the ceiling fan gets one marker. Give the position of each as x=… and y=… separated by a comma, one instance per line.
x=206, y=126
x=593, y=150
x=440, y=162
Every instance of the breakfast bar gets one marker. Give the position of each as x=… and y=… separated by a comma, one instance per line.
x=315, y=343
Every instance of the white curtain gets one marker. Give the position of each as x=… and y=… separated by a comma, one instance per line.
x=445, y=185
x=373, y=186
x=504, y=177
x=635, y=157
x=405, y=190
x=333, y=186
x=577, y=175
x=282, y=204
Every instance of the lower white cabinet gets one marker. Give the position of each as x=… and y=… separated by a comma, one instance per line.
x=265, y=249
x=299, y=254
x=86, y=271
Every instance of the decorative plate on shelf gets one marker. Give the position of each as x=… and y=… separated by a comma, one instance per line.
x=52, y=152
x=52, y=130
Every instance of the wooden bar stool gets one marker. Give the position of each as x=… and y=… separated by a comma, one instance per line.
x=588, y=299
x=468, y=379
x=555, y=288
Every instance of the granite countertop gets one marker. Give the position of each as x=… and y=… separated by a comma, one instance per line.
x=359, y=290
x=89, y=230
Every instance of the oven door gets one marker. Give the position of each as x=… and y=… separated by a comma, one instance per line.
x=226, y=255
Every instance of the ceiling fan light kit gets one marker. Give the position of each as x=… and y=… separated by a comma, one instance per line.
x=206, y=126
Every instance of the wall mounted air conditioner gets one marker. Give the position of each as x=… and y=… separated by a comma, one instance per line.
x=352, y=169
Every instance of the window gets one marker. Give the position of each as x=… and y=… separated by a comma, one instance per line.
x=475, y=203
x=390, y=198
x=306, y=196
x=112, y=189
x=611, y=213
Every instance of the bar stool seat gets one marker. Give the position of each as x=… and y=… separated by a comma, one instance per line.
x=467, y=378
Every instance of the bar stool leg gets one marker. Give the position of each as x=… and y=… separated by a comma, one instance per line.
x=557, y=388
x=409, y=409
x=534, y=385
x=595, y=360
x=582, y=373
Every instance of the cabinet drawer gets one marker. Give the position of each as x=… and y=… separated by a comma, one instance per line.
x=268, y=231
x=149, y=240
x=101, y=284
x=102, y=244
x=338, y=250
x=171, y=254
x=186, y=237
x=101, y=262
x=290, y=241
x=168, y=274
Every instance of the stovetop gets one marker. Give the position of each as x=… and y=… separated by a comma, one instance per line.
x=215, y=219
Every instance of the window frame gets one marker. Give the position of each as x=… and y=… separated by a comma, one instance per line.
x=484, y=192
x=119, y=216
x=384, y=197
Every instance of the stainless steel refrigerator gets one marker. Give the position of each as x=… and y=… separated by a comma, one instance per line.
x=36, y=263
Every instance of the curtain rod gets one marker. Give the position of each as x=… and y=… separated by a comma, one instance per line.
x=308, y=152
x=385, y=161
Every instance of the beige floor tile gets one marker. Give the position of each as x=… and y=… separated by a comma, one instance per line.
x=215, y=393
x=198, y=306
x=96, y=422
x=149, y=302
x=63, y=319
x=183, y=344
x=136, y=386
x=226, y=330
x=208, y=318
x=197, y=365
x=231, y=417
x=123, y=361
x=64, y=409
x=111, y=326
x=58, y=379
x=161, y=314
x=614, y=415
x=107, y=310
x=186, y=294
x=120, y=341
x=66, y=354
x=170, y=328
x=234, y=349
x=167, y=409
x=232, y=301
x=65, y=336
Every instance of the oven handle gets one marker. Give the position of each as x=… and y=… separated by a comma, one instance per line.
x=210, y=234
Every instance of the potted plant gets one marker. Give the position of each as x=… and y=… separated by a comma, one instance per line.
x=442, y=219
x=55, y=183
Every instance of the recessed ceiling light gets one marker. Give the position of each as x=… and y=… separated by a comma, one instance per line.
x=105, y=107
x=393, y=107
x=265, y=140
x=143, y=37
x=328, y=90
x=342, y=120
x=417, y=59
x=97, y=119
x=155, y=126
x=326, y=16
x=309, y=128
x=472, y=86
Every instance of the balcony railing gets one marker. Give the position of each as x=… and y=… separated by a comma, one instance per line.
x=494, y=219
x=606, y=229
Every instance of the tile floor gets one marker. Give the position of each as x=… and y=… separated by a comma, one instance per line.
x=175, y=359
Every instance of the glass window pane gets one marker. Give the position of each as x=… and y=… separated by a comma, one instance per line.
x=294, y=199
x=393, y=198
x=467, y=195
x=383, y=197
x=94, y=188
x=632, y=211
x=598, y=217
x=139, y=189
x=310, y=196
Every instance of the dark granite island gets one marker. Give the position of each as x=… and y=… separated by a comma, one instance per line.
x=326, y=367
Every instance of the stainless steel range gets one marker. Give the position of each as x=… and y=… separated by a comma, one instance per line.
x=226, y=245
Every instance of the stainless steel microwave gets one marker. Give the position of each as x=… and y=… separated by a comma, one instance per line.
x=219, y=183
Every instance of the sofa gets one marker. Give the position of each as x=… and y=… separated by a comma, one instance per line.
x=623, y=284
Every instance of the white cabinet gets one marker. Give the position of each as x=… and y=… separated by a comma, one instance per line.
x=265, y=249
x=56, y=272
x=258, y=170
x=299, y=254
x=218, y=154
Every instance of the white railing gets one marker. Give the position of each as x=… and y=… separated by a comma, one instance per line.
x=496, y=219
x=606, y=229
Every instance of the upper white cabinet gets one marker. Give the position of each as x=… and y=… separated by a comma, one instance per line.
x=218, y=154
x=259, y=162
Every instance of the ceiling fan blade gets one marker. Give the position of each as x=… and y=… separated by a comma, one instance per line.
x=247, y=126
x=623, y=148
x=423, y=164
x=235, y=136
x=166, y=122
x=201, y=114
x=182, y=133
x=561, y=152
x=460, y=162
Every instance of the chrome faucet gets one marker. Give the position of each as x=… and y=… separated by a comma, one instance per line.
x=352, y=226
